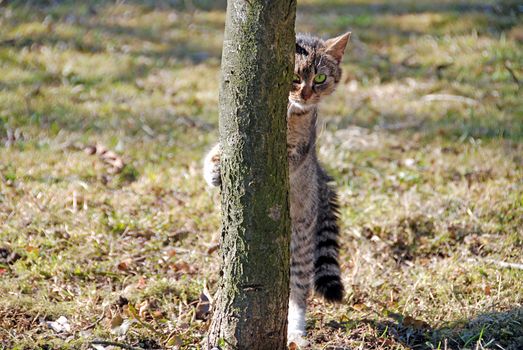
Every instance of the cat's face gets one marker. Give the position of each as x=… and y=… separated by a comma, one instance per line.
x=317, y=68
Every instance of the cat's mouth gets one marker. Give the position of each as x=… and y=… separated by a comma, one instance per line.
x=302, y=104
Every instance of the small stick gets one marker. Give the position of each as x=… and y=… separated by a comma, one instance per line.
x=447, y=97
x=505, y=264
x=92, y=325
x=499, y=263
x=512, y=73
x=112, y=343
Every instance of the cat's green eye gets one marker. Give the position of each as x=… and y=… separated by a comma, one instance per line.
x=320, y=78
x=296, y=79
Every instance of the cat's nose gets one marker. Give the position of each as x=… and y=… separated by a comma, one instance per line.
x=306, y=93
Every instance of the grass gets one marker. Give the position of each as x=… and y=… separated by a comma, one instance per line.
x=424, y=137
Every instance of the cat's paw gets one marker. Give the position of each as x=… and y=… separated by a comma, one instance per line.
x=298, y=339
x=211, y=167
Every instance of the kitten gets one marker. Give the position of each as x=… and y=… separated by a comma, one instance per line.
x=313, y=202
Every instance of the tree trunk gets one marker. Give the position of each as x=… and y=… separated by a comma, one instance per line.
x=250, y=308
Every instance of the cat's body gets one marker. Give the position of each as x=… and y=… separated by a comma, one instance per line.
x=313, y=204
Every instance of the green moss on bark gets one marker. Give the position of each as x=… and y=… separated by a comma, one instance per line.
x=251, y=305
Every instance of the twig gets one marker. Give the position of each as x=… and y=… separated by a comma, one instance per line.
x=499, y=263
x=409, y=124
x=452, y=98
x=512, y=73
x=112, y=343
x=92, y=325
x=137, y=317
x=505, y=264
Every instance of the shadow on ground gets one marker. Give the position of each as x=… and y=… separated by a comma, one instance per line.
x=184, y=47
x=489, y=330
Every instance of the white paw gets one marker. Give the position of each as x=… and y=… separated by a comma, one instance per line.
x=296, y=340
x=211, y=167
x=296, y=326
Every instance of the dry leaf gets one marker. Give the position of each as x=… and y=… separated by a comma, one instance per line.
x=142, y=308
x=360, y=307
x=113, y=160
x=487, y=290
x=174, y=340
x=179, y=235
x=119, y=326
x=203, y=308
x=116, y=321
x=157, y=314
x=31, y=249
x=13, y=136
x=60, y=325
x=213, y=248
x=98, y=347
x=414, y=323
x=142, y=283
x=183, y=266
x=125, y=264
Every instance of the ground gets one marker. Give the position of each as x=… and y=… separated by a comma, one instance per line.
x=108, y=230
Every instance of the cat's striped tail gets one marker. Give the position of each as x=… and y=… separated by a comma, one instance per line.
x=327, y=280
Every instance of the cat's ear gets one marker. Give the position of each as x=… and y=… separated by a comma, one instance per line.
x=336, y=46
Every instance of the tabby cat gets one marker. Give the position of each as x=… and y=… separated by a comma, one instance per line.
x=313, y=202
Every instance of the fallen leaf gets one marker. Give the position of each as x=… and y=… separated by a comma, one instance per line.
x=124, y=264
x=31, y=249
x=174, y=340
x=116, y=321
x=487, y=290
x=142, y=308
x=119, y=326
x=203, y=308
x=157, y=314
x=13, y=136
x=183, y=266
x=123, y=328
x=179, y=235
x=142, y=283
x=213, y=248
x=360, y=307
x=113, y=160
x=60, y=325
x=414, y=323
x=98, y=347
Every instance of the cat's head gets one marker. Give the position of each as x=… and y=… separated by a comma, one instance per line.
x=317, y=68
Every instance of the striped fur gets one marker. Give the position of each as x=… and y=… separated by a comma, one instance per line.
x=313, y=202
x=327, y=280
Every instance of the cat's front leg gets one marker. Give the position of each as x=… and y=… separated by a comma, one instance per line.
x=301, y=270
x=211, y=167
x=296, y=321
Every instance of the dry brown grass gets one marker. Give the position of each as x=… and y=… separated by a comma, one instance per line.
x=424, y=138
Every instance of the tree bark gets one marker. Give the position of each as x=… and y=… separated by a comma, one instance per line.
x=250, y=308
